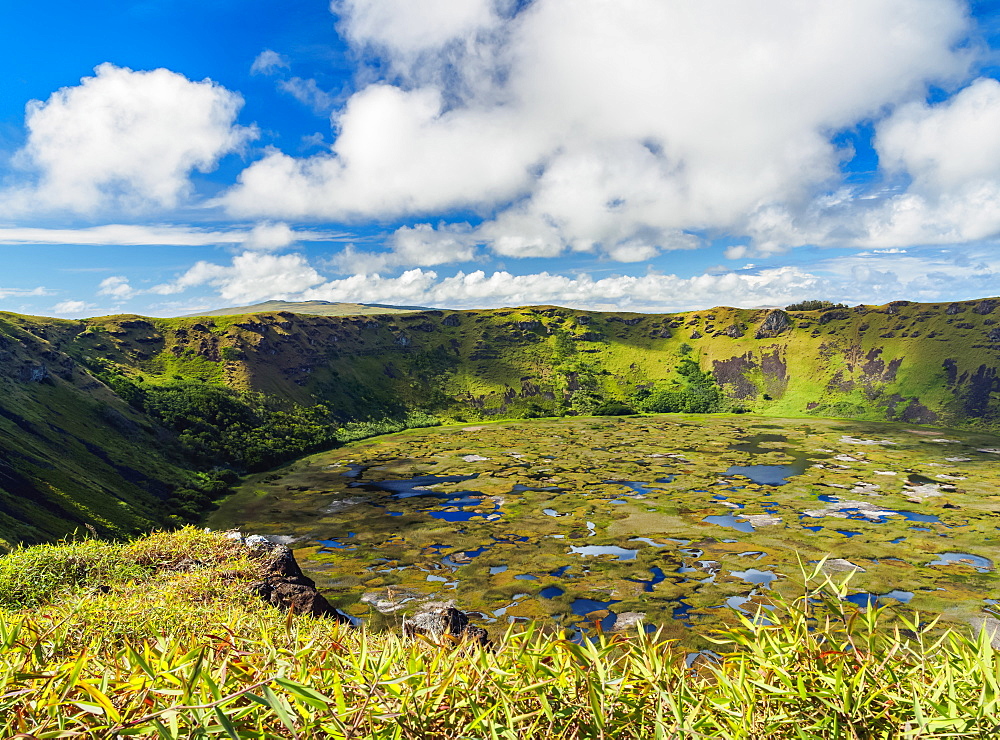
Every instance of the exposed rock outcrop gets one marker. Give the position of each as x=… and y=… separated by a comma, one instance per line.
x=284, y=585
x=840, y=565
x=774, y=323
x=439, y=618
x=735, y=331
x=627, y=621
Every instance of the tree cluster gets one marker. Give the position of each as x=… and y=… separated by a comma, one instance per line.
x=695, y=393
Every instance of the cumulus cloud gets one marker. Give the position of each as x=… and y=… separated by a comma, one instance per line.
x=927, y=274
x=116, y=286
x=398, y=152
x=946, y=157
x=127, y=139
x=917, y=274
x=250, y=277
x=513, y=234
x=946, y=146
x=951, y=152
x=597, y=126
x=419, y=245
x=403, y=29
x=267, y=236
x=267, y=62
x=72, y=309
x=501, y=288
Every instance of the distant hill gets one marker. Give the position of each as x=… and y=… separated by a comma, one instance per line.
x=99, y=417
x=316, y=308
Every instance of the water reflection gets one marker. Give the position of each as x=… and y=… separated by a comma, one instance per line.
x=595, y=550
x=981, y=564
x=730, y=521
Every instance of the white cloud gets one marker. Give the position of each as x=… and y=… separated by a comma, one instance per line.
x=72, y=309
x=267, y=236
x=945, y=147
x=607, y=125
x=633, y=252
x=250, y=277
x=922, y=274
x=116, y=286
x=23, y=292
x=513, y=234
x=949, y=152
x=398, y=152
x=419, y=245
x=519, y=232
x=126, y=139
x=267, y=62
x=652, y=292
x=264, y=235
x=929, y=274
x=406, y=28
x=309, y=93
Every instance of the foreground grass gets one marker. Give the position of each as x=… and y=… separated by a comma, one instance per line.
x=160, y=638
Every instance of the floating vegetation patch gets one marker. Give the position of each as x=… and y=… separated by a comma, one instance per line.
x=689, y=521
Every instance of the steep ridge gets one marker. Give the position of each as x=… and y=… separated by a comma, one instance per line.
x=73, y=451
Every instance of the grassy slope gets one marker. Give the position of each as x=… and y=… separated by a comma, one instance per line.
x=72, y=452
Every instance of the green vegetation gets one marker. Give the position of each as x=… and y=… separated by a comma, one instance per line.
x=696, y=392
x=356, y=430
x=814, y=305
x=222, y=432
x=157, y=646
x=219, y=425
x=75, y=440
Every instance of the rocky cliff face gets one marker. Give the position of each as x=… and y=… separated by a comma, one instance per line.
x=73, y=452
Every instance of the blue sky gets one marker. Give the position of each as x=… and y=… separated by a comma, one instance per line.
x=164, y=157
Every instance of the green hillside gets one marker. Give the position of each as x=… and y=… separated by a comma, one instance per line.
x=122, y=421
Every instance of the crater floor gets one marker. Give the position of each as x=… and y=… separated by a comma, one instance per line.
x=689, y=520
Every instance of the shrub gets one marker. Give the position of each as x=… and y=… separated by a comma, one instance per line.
x=613, y=408
x=36, y=575
x=697, y=393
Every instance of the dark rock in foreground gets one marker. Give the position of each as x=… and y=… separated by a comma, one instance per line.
x=439, y=618
x=284, y=585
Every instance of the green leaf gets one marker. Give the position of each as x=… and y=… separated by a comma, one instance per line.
x=226, y=724
x=309, y=696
